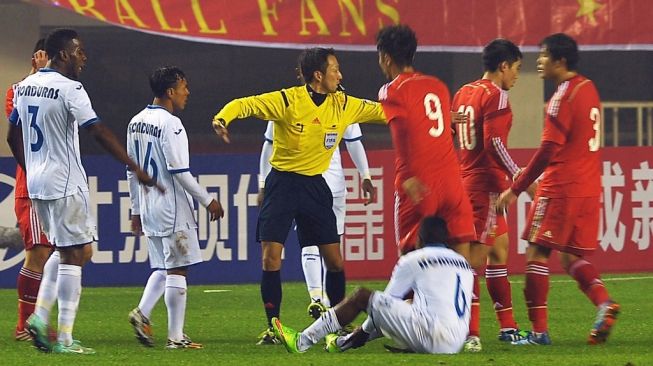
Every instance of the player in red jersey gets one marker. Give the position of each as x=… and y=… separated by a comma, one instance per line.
x=565, y=213
x=37, y=248
x=487, y=169
x=427, y=172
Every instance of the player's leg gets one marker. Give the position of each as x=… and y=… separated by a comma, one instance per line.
x=583, y=241
x=277, y=214
x=69, y=281
x=478, y=256
x=330, y=322
x=37, y=252
x=139, y=317
x=496, y=276
x=181, y=250
x=536, y=291
x=74, y=232
x=314, y=273
x=317, y=224
x=38, y=323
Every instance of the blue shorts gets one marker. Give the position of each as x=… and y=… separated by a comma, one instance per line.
x=306, y=200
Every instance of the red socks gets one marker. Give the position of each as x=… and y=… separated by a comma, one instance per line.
x=589, y=281
x=28, y=288
x=499, y=288
x=536, y=293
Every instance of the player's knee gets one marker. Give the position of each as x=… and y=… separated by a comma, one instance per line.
x=361, y=297
x=271, y=263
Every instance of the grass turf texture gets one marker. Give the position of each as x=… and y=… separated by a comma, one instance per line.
x=228, y=322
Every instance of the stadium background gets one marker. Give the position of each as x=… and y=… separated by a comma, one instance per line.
x=116, y=79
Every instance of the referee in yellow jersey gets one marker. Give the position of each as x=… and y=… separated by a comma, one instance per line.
x=309, y=121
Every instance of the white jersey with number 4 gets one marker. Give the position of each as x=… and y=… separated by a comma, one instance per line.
x=49, y=107
x=157, y=141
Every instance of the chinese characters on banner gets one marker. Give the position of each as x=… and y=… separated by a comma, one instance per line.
x=232, y=255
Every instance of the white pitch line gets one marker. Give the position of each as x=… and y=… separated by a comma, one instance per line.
x=212, y=291
x=603, y=279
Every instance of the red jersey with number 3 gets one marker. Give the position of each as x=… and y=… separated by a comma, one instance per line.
x=21, y=180
x=485, y=162
x=573, y=120
x=420, y=105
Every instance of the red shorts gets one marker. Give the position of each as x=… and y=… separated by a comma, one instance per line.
x=447, y=200
x=487, y=222
x=569, y=224
x=28, y=224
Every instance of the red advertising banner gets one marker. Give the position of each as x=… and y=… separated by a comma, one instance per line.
x=625, y=235
x=441, y=25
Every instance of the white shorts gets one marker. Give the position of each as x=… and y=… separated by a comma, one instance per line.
x=180, y=249
x=67, y=221
x=339, y=209
x=411, y=328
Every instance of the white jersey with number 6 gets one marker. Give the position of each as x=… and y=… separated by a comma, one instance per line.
x=157, y=141
x=50, y=107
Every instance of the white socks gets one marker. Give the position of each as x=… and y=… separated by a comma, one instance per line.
x=314, y=274
x=153, y=291
x=70, y=288
x=48, y=288
x=327, y=323
x=175, y=298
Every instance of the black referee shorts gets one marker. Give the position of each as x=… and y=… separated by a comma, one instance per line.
x=306, y=200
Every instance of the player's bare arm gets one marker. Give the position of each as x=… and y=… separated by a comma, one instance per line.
x=15, y=141
x=110, y=143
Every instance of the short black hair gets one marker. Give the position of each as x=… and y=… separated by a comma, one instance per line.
x=433, y=230
x=58, y=40
x=498, y=51
x=562, y=46
x=312, y=60
x=164, y=78
x=399, y=42
x=39, y=46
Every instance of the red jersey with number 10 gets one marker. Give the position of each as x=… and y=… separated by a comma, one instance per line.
x=485, y=162
x=573, y=120
x=419, y=107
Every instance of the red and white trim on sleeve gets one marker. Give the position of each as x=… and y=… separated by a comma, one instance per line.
x=554, y=103
x=505, y=157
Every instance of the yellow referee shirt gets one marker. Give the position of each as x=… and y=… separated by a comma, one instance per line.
x=305, y=135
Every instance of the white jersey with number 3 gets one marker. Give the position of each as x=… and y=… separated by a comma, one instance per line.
x=49, y=107
x=157, y=141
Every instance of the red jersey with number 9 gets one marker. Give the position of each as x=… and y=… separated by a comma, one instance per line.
x=573, y=120
x=420, y=104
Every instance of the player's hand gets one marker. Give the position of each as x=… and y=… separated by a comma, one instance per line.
x=506, y=198
x=147, y=180
x=221, y=129
x=215, y=210
x=137, y=227
x=259, y=197
x=414, y=189
x=39, y=60
x=457, y=117
x=368, y=191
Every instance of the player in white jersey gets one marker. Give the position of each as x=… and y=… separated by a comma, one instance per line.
x=436, y=321
x=50, y=105
x=312, y=264
x=157, y=140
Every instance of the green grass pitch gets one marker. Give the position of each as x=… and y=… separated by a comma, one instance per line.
x=227, y=323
